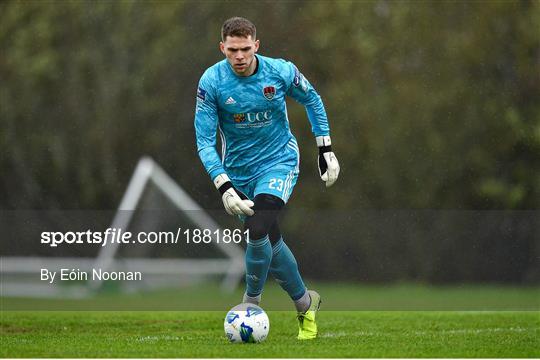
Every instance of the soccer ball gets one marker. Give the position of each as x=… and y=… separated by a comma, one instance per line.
x=246, y=323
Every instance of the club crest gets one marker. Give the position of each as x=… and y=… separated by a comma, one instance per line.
x=269, y=92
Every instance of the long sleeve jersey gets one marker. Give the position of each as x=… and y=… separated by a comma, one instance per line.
x=250, y=114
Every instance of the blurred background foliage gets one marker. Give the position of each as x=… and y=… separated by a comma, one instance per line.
x=432, y=105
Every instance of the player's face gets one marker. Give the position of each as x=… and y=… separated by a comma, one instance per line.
x=240, y=52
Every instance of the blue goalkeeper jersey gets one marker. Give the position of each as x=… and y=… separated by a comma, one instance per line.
x=250, y=114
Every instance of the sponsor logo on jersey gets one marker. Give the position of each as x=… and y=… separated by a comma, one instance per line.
x=259, y=116
x=201, y=94
x=269, y=92
x=297, y=77
x=255, y=119
x=230, y=101
x=300, y=80
x=238, y=118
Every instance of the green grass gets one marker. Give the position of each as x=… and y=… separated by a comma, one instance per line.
x=200, y=334
x=400, y=320
x=335, y=297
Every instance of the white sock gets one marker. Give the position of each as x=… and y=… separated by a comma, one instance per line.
x=252, y=299
x=303, y=304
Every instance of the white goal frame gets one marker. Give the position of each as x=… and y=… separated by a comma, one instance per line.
x=148, y=170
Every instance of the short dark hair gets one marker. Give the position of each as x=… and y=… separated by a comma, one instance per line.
x=238, y=26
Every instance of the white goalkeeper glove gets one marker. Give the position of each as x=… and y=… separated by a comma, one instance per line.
x=235, y=202
x=327, y=161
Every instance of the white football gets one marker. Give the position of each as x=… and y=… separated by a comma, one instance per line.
x=246, y=323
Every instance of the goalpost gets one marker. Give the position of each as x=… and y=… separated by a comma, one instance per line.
x=148, y=171
x=161, y=267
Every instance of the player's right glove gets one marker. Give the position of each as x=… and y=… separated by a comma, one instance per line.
x=235, y=201
x=327, y=161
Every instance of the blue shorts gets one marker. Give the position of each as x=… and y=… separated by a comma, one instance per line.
x=278, y=181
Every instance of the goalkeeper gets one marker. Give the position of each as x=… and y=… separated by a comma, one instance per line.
x=243, y=96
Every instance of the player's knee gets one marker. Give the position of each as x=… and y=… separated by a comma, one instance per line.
x=256, y=228
x=274, y=234
x=266, y=208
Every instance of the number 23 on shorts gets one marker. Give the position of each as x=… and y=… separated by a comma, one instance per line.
x=276, y=184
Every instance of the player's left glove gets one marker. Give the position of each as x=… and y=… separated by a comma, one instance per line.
x=327, y=161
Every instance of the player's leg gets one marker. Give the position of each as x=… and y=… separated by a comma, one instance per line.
x=258, y=251
x=284, y=267
x=259, y=248
x=278, y=185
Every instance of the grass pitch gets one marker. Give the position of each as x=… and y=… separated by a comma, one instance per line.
x=335, y=296
x=397, y=321
x=200, y=334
